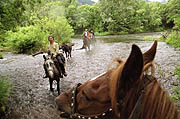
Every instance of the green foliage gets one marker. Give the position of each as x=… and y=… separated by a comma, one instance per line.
x=173, y=10
x=26, y=39
x=173, y=39
x=5, y=88
x=60, y=29
x=177, y=72
x=177, y=24
x=176, y=95
x=1, y=55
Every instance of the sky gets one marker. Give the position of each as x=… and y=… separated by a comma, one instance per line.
x=95, y=0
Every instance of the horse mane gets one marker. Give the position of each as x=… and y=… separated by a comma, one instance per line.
x=157, y=103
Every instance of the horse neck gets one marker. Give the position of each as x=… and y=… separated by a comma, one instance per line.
x=155, y=103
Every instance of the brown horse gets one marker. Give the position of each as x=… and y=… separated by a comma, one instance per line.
x=92, y=99
x=137, y=96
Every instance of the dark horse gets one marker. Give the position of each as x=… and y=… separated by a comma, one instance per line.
x=67, y=49
x=53, y=71
x=124, y=92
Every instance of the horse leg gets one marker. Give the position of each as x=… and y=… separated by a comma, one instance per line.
x=58, y=88
x=51, y=82
x=70, y=53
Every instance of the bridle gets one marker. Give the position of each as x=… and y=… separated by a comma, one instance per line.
x=74, y=112
x=134, y=114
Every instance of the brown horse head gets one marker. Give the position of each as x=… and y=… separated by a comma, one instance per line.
x=138, y=96
x=90, y=99
x=93, y=99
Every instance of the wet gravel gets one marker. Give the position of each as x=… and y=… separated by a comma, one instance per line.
x=31, y=98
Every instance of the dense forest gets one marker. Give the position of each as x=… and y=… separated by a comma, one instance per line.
x=25, y=24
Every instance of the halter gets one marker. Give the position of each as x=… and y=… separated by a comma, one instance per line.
x=75, y=114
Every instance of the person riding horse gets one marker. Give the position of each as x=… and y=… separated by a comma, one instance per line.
x=86, y=39
x=53, y=49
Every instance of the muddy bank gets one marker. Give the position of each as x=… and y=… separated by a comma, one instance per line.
x=31, y=98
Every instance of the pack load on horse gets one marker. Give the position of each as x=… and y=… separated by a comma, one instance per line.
x=54, y=64
x=123, y=92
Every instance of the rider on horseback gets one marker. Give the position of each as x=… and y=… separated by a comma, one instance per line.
x=53, y=49
x=85, y=37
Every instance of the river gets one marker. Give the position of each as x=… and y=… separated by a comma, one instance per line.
x=30, y=97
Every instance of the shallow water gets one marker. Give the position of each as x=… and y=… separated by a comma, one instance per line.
x=31, y=98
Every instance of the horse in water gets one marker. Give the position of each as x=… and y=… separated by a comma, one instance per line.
x=53, y=70
x=86, y=43
x=123, y=92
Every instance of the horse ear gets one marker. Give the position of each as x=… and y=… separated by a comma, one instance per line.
x=44, y=57
x=149, y=55
x=132, y=69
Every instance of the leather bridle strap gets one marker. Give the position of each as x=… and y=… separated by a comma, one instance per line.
x=136, y=112
x=75, y=114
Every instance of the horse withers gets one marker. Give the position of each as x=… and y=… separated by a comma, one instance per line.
x=53, y=70
x=102, y=98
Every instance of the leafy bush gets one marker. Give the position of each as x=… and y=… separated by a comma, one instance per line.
x=173, y=39
x=1, y=56
x=27, y=39
x=58, y=28
x=177, y=71
x=5, y=88
x=176, y=95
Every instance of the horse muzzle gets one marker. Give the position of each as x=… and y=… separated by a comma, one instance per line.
x=51, y=74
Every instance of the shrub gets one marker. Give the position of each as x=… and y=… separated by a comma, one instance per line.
x=173, y=39
x=176, y=95
x=26, y=39
x=5, y=88
x=1, y=56
x=59, y=28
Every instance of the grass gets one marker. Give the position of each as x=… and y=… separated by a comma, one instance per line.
x=5, y=88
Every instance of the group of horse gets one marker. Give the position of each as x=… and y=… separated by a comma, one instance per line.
x=125, y=91
x=51, y=63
